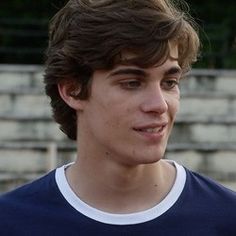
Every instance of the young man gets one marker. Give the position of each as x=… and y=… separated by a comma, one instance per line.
x=112, y=73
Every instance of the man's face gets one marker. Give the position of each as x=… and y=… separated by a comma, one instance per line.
x=131, y=110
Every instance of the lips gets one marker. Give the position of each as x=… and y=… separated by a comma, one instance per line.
x=153, y=133
x=152, y=128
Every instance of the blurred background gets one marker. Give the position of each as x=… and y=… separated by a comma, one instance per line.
x=204, y=138
x=24, y=24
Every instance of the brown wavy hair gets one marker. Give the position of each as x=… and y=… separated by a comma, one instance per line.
x=87, y=35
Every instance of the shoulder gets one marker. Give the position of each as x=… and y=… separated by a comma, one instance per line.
x=27, y=194
x=209, y=189
x=208, y=201
x=30, y=207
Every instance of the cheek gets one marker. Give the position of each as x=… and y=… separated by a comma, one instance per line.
x=109, y=115
x=176, y=106
x=173, y=105
x=115, y=117
x=113, y=110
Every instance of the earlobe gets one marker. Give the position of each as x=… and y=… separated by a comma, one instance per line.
x=69, y=92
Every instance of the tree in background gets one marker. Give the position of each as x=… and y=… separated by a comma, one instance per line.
x=23, y=29
x=218, y=33
x=24, y=24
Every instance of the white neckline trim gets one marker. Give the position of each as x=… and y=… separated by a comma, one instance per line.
x=121, y=219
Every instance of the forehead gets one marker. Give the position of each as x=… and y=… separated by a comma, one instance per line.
x=125, y=61
x=127, y=56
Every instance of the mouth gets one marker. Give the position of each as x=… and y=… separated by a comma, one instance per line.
x=152, y=133
x=155, y=130
x=151, y=129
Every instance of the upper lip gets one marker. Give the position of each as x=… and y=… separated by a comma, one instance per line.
x=150, y=126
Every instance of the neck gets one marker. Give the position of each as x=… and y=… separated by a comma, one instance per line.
x=116, y=188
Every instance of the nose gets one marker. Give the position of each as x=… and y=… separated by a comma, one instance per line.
x=154, y=101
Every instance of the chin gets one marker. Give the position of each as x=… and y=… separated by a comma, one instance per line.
x=150, y=158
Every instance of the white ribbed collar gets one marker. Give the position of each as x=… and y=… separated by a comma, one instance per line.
x=122, y=219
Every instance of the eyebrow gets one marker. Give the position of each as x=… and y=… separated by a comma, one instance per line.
x=129, y=71
x=173, y=70
x=139, y=72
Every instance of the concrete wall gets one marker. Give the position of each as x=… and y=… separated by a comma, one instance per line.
x=203, y=139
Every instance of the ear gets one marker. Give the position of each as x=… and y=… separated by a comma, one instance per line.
x=69, y=91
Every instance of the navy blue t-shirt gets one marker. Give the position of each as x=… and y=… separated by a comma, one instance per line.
x=195, y=205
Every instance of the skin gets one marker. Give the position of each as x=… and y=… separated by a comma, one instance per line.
x=123, y=130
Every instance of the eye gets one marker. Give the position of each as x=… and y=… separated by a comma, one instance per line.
x=131, y=84
x=169, y=84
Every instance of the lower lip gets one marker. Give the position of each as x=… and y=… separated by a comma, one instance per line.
x=155, y=136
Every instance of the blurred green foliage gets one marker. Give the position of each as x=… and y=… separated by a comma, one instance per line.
x=28, y=9
x=23, y=29
x=217, y=21
x=24, y=25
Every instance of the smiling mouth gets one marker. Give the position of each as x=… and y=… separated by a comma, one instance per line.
x=151, y=130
